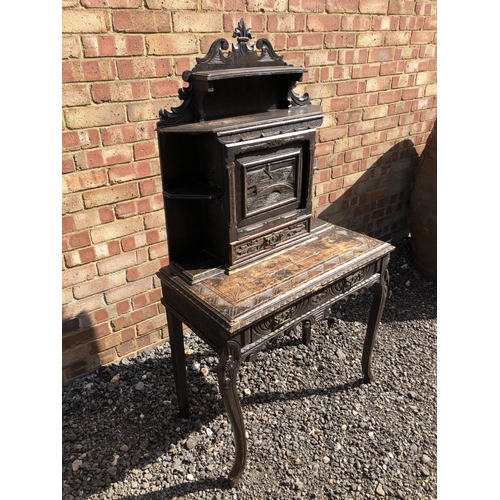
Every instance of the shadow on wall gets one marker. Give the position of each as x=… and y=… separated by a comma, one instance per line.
x=376, y=201
x=80, y=346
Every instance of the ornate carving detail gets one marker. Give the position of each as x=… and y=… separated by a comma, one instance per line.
x=243, y=55
x=229, y=362
x=262, y=242
x=265, y=132
x=282, y=317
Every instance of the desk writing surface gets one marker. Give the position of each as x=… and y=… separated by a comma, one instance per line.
x=331, y=252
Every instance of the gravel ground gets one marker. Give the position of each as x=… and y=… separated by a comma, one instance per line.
x=314, y=430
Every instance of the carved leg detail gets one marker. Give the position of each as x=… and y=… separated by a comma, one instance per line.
x=227, y=371
x=380, y=293
x=178, y=361
x=306, y=331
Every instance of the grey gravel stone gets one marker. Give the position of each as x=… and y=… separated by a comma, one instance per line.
x=314, y=430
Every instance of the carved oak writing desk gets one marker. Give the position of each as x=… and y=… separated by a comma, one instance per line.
x=248, y=261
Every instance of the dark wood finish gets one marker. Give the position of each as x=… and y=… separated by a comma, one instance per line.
x=247, y=260
x=237, y=158
x=240, y=313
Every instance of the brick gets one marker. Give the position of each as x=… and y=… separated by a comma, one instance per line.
x=117, y=229
x=154, y=219
x=147, y=269
x=352, y=87
x=370, y=39
x=392, y=68
x=78, y=275
x=332, y=73
x=363, y=100
x=131, y=171
x=71, y=47
x=112, y=155
x=397, y=38
x=286, y=23
x=82, y=307
x=158, y=45
x=113, y=45
x=320, y=58
x=128, y=133
x=375, y=112
x=76, y=240
x=128, y=290
x=347, y=144
x=150, y=186
x=144, y=68
x=373, y=6
x=112, y=4
x=95, y=116
x=149, y=325
x=141, y=21
x=120, y=91
x=117, y=263
x=366, y=71
x=353, y=56
x=75, y=95
x=73, y=355
x=148, y=110
x=401, y=7
x=430, y=23
x=81, y=139
x=427, y=51
x=197, y=22
x=109, y=195
x=411, y=23
x=431, y=90
x=349, y=117
x=356, y=23
x=361, y=128
x=332, y=133
x=88, y=71
x=333, y=6
x=82, y=21
x=382, y=54
x=91, y=218
x=80, y=181
x=324, y=22
x=422, y=37
x=68, y=164
x=165, y=88
x=374, y=138
x=403, y=81
x=99, y=285
x=389, y=96
x=265, y=5
x=426, y=78
x=337, y=40
x=385, y=23
x=172, y=4
x=409, y=119
x=92, y=254
x=158, y=251
x=145, y=150
x=386, y=123
x=66, y=4
x=71, y=203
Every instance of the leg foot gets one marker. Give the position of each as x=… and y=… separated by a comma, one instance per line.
x=176, y=339
x=227, y=371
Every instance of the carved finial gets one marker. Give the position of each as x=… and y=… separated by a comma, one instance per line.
x=241, y=32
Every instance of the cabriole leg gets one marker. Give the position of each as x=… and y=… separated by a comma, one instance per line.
x=227, y=372
x=380, y=293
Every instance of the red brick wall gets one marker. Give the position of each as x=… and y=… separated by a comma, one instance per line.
x=372, y=68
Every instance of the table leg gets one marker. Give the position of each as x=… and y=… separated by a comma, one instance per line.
x=306, y=332
x=380, y=293
x=176, y=338
x=227, y=371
